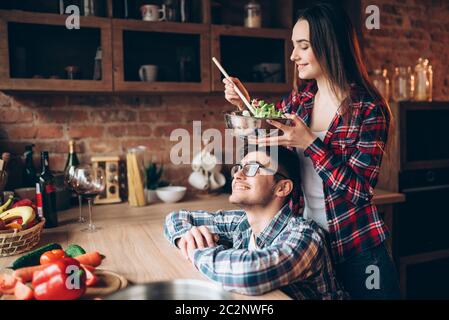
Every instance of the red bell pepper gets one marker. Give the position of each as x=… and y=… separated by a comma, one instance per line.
x=61, y=280
x=52, y=256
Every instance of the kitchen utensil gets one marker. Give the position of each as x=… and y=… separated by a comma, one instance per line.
x=110, y=165
x=199, y=180
x=237, y=90
x=68, y=177
x=152, y=12
x=72, y=72
x=253, y=15
x=171, y=194
x=108, y=283
x=267, y=72
x=180, y=289
x=89, y=182
x=243, y=126
x=217, y=180
x=148, y=73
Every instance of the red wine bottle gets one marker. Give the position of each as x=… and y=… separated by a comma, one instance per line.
x=48, y=190
x=29, y=174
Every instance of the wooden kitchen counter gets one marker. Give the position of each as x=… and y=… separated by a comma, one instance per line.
x=132, y=238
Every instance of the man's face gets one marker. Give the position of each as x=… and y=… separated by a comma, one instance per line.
x=257, y=190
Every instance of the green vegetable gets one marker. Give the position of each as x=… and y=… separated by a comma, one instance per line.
x=74, y=250
x=32, y=258
x=265, y=110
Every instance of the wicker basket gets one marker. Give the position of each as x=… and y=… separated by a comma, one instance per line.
x=12, y=243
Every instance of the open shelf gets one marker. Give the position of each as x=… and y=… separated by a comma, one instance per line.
x=193, y=12
x=35, y=32
x=99, y=9
x=30, y=56
x=275, y=13
x=266, y=71
x=180, y=52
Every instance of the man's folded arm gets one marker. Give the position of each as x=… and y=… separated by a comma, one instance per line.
x=222, y=223
x=254, y=272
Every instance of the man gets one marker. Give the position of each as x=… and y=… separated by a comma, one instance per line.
x=265, y=246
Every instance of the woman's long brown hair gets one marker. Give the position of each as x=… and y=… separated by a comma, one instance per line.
x=335, y=45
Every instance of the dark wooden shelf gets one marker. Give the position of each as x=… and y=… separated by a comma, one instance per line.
x=201, y=30
x=116, y=75
x=247, y=57
x=11, y=82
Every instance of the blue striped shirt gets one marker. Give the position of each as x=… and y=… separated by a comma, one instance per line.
x=292, y=254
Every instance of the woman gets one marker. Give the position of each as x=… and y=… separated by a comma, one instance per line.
x=340, y=129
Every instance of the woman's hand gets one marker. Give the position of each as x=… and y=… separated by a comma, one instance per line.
x=232, y=96
x=298, y=135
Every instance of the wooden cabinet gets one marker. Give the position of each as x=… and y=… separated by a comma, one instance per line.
x=36, y=47
x=31, y=59
x=254, y=56
x=180, y=52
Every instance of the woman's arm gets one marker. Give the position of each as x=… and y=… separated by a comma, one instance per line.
x=294, y=258
x=222, y=223
x=356, y=178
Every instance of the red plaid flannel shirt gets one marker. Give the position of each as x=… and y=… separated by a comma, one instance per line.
x=348, y=161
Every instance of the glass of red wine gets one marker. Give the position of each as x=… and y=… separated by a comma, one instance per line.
x=88, y=182
x=68, y=177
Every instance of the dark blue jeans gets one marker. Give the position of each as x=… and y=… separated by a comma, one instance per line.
x=371, y=275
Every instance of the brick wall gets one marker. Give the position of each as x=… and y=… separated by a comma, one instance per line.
x=411, y=29
x=109, y=124
x=105, y=125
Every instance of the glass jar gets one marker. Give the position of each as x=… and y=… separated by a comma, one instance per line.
x=423, y=80
x=382, y=83
x=402, y=84
x=253, y=15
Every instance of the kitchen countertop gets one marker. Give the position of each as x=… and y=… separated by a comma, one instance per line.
x=132, y=238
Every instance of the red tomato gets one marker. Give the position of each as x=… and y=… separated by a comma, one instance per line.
x=52, y=256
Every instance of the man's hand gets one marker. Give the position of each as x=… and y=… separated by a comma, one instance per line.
x=196, y=238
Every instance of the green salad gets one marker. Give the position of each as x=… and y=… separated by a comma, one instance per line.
x=264, y=110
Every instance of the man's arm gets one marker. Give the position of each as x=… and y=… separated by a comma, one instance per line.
x=295, y=257
x=222, y=223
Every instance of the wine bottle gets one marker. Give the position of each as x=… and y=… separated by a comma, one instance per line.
x=48, y=191
x=72, y=159
x=29, y=174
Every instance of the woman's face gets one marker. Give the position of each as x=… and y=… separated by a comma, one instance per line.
x=302, y=55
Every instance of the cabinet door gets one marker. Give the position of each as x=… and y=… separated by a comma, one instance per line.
x=161, y=57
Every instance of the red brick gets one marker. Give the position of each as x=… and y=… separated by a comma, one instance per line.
x=49, y=132
x=104, y=146
x=22, y=132
x=14, y=116
x=61, y=116
x=151, y=143
x=130, y=130
x=87, y=131
x=166, y=130
x=113, y=115
x=5, y=101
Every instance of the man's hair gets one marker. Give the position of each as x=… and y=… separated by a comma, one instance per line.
x=287, y=160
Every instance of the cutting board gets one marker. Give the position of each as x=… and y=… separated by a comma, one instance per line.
x=108, y=282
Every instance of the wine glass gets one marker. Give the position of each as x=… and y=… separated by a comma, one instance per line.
x=89, y=182
x=68, y=179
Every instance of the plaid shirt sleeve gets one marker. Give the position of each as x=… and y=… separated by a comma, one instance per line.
x=222, y=223
x=356, y=178
x=296, y=256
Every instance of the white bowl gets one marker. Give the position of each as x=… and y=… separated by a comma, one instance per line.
x=171, y=194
